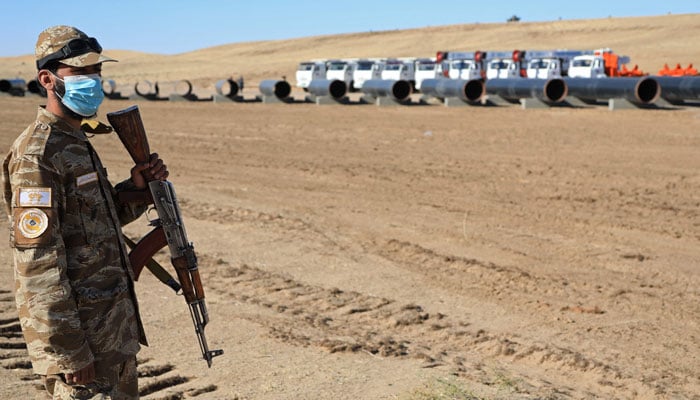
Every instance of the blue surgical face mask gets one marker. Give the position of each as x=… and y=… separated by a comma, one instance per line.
x=83, y=93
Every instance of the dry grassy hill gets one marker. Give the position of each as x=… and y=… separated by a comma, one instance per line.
x=649, y=41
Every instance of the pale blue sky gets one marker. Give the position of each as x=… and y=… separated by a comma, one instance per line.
x=170, y=27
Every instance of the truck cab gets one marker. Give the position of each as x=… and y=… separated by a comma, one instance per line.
x=426, y=68
x=466, y=69
x=364, y=70
x=308, y=71
x=342, y=71
x=602, y=63
x=545, y=68
x=399, y=70
x=587, y=67
x=502, y=68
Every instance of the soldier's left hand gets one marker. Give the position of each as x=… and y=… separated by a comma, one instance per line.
x=154, y=168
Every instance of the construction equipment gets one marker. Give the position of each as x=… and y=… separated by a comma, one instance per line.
x=601, y=64
x=308, y=71
x=678, y=71
x=466, y=65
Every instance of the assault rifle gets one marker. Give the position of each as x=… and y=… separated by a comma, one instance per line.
x=169, y=229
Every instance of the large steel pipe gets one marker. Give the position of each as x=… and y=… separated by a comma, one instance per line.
x=470, y=91
x=279, y=89
x=176, y=88
x=638, y=91
x=398, y=90
x=34, y=87
x=328, y=87
x=146, y=89
x=109, y=87
x=12, y=85
x=227, y=88
x=679, y=89
x=548, y=90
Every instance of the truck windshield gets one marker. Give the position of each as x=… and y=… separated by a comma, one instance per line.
x=462, y=64
x=392, y=67
x=426, y=67
x=539, y=64
x=305, y=67
x=498, y=65
x=336, y=66
x=582, y=63
x=364, y=66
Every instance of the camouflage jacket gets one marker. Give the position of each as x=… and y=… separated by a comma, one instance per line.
x=73, y=283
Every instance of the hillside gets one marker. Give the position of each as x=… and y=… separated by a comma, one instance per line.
x=649, y=41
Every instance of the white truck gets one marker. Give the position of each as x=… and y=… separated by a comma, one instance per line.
x=308, y=71
x=426, y=68
x=549, y=64
x=400, y=69
x=341, y=70
x=464, y=65
x=365, y=70
x=504, y=64
x=600, y=64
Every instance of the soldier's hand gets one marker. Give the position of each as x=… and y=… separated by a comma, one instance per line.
x=154, y=167
x=82, y=376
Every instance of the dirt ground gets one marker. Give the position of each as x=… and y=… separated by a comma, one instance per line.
x=414, y=252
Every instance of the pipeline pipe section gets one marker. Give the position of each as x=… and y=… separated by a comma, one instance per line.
x=109, y=87
x=550, y=91
x=334, y=88
x=679, y=89
x=227, y=88
x=639, y=91
x=174, y=88
x=146, y=89
x=34, y=87
x=12, y=85
x=279, y=89
x=469, y=91
x=398, y=90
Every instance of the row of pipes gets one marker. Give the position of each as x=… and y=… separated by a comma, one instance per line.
x=639, y=91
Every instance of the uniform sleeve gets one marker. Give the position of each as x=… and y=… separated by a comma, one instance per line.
x=127, y=212
x=47, y=309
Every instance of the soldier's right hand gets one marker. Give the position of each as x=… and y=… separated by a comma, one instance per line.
x=82, y=376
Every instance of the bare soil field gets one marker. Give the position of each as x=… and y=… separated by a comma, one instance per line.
x=419, y=252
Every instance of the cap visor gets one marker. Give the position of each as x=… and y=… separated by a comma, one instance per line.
x=86, y=59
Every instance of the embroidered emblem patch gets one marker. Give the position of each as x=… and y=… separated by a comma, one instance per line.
x=85, y=179
x=34, y=197
x=32, y=223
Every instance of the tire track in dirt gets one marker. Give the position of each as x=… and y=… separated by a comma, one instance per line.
x=339, y=321
x=352, y=322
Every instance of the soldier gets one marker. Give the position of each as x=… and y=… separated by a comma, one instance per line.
x=73, y=282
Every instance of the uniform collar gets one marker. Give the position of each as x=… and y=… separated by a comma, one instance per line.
x=58, y=124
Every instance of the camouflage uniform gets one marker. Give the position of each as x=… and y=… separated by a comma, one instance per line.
x=73, y=282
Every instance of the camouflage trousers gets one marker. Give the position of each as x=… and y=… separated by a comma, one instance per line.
x=116, y=382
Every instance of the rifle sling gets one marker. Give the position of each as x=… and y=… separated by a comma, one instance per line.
x=142, y=255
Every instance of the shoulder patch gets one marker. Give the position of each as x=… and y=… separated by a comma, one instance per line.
x=34, y=197
x=32, y=223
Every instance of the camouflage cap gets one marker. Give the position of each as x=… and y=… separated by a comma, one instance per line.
x=54, y=39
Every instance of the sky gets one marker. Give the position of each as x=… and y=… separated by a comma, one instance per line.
x=171, y=27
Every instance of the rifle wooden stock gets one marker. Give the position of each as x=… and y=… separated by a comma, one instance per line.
x=169, y=229
x=129, y=127
x=145, y=249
